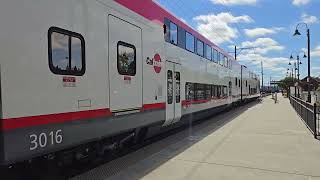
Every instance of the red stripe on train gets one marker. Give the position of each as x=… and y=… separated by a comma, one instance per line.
x=22, y=122
x=154, y=106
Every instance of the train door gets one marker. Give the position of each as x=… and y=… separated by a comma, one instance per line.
x=125, y=65
x=173, y=104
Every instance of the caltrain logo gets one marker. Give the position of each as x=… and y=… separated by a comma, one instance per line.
x=157, y=63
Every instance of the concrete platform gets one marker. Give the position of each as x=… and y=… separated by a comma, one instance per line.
x=258, y=141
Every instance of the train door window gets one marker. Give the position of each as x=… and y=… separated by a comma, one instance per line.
x=177, y=87
x=208, y=91
x=208, y=52
x=173, y=33
x=200, y=91
x=236, y=81
x=200, y=48
x=126, y=62
x=170, y=87
x=189, y=42
x=66, y=52
x=190, y=91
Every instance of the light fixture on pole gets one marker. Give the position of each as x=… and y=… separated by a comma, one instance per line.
x=297, y=33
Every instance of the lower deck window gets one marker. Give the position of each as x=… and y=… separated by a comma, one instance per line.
x=66, y=52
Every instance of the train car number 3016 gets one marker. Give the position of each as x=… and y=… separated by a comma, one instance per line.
x=43, y=140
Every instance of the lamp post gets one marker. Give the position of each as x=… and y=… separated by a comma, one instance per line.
x=297, y=33
x=298, y=65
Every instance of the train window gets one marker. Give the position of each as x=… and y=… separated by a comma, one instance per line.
x=173, y=33
x=126, y=60
x=239, y=83
x=236, y=81
x=66, y=52
x=215, y=55
x=221, y=62
x=177, y=87
x=214, y=91
x=200, y=48
x=189, y=42
x=170, y=86
x=246, y=83
x=208, y=91
x=190, y=91
x=218, y=91
x=225, y=59
x=200, y=92
x=208, y=52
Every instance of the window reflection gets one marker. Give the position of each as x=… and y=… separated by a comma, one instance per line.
x=189, y=42
x=126, y=59
x=76, y=55
x=173, y=33
x=60, y=51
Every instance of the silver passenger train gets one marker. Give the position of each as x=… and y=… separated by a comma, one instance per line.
x=91, y=75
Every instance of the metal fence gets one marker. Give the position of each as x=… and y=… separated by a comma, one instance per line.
x=309, y=113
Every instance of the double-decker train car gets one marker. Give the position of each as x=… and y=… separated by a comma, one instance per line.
x=83, y=76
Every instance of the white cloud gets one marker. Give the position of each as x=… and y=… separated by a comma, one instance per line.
x=234, y=2
x=274, y=64
x=300, y=2
x=256, y=32
x=309, y=19
x=263, y=45
x=217, y=27
x=315, y=52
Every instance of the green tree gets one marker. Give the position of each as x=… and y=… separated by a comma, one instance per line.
x=287, y=82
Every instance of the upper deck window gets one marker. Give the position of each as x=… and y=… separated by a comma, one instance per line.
x=221, y=59
x=173, y=33
x=200, y=48
x=189, y=42
x=208, y=52
x=66, y=52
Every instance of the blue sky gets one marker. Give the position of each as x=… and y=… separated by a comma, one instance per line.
x=267, y=25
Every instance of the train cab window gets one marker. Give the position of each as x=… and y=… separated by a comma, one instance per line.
x=66, y=52
x=200, y=48
x=170, y=86
x=189, y=42
x=173, y=33
x=208, y=52
x=126, y=61
x=190, y=91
